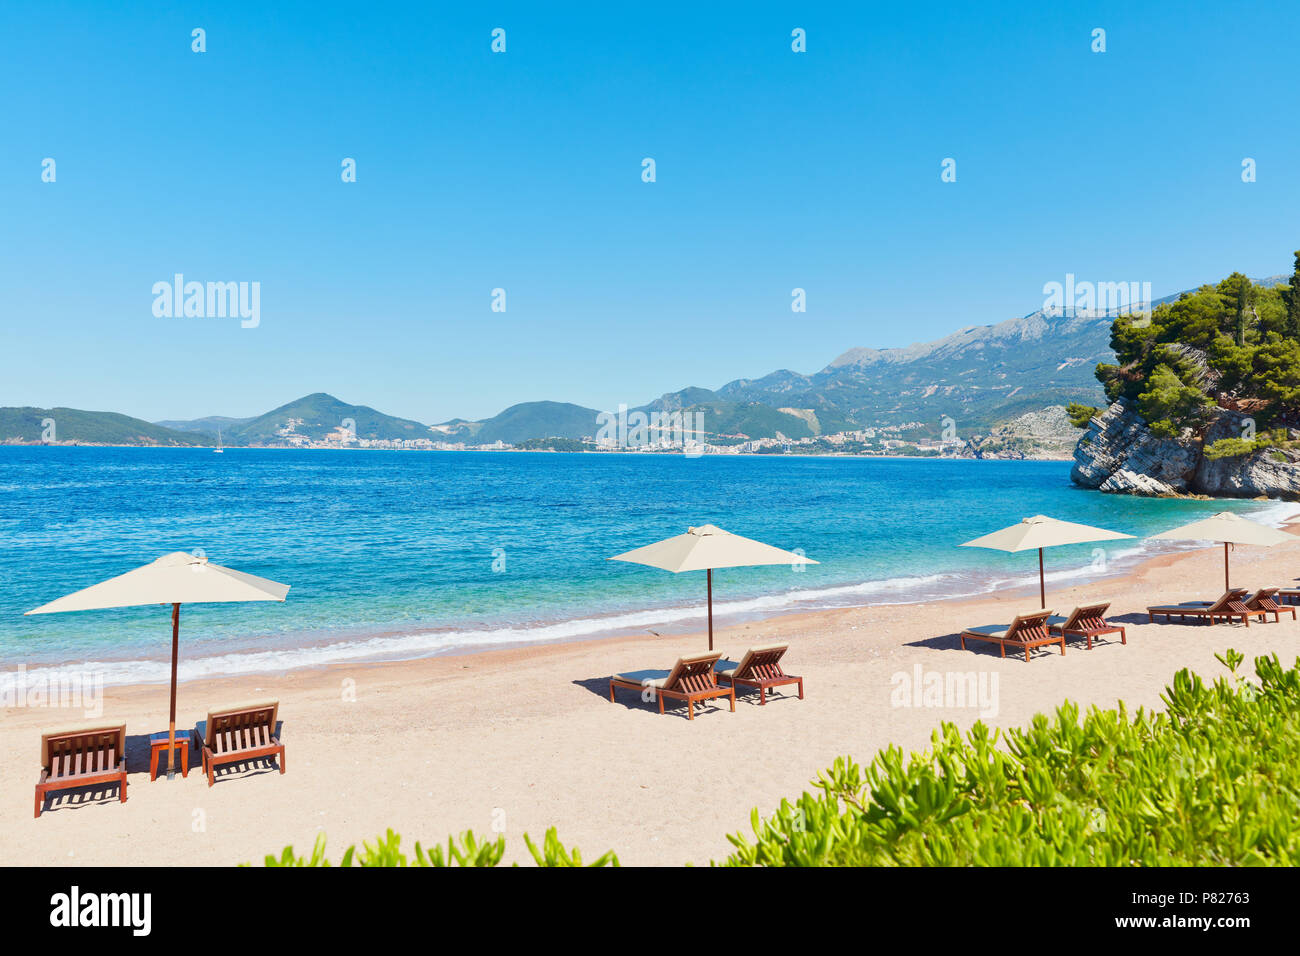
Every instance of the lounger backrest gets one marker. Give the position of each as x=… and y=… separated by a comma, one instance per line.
x=1229, y=597
x=1264, y=597
x=693, y=673
x=762, y=662
x=1089, y=615
x=1028, y=627
x=240, y=721
x=97, y=748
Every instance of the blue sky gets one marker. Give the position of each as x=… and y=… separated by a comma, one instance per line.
x=522, y=171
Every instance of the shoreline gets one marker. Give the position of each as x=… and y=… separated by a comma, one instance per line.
x=667, y=621
x=983, y=586
x=526, y=738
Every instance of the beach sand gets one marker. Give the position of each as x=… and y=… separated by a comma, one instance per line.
x=525, y=739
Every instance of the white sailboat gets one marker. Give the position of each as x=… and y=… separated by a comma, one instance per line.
x=219, y=450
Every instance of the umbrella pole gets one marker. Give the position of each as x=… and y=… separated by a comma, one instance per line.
x=171, y=727
x=710, y=577
x=1226, y=585
x=1042, y=585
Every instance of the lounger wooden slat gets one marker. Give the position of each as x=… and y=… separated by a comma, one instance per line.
x=1265, y=599
x=236, y=734
x=759, y=668
x=1231, y=606
x=1026, y=632
x=1087, y=621
x=691, y=680
x=78, y=758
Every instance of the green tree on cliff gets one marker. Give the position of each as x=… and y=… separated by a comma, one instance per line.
x=1232, y=344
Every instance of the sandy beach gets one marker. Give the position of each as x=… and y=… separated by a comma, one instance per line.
x=520, y=740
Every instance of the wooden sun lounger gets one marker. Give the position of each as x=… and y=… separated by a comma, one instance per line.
x=761, y=668
x=1231, y=606
x=1088, y=621
x=76, y=757
x=691, y=680
x=1265, y=599
x=239, y=733
x=1026, y=632
x=1289, y=595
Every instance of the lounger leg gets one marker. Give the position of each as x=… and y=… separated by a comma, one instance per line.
x=282, y=761
x=762, y=695
x=1003, y=648
x=153, y=765
x=1063, y=645
x=123, y=788
x=1026, y=655
x=611, y=692
x=660, y=697
x=690, y=709
x=1123, y=637
x=963, y=641
x=801, y=688
x=732, y=695
x=40, y=801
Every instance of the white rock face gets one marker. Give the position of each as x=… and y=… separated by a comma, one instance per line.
x=1119, y=454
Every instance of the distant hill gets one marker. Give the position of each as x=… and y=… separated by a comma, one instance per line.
x=319, y=415
x=521, y=422
x=75, y=426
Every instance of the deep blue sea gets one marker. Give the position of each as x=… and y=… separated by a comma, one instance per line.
x=391, y=555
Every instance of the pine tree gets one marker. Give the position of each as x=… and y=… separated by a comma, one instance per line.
x=1245, y=290
x=1292, y=297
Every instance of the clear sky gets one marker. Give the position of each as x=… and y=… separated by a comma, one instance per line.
x=523, y=170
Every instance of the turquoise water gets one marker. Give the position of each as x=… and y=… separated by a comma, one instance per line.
x=391, y=554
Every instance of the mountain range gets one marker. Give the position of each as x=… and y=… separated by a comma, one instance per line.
x=978, y=376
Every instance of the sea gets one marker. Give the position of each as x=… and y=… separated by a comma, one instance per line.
x=397, y=555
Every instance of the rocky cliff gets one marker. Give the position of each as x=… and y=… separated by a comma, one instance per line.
x=1045, y=434
x=1119, y=454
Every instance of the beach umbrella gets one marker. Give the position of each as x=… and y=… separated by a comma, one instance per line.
x=1228, y=528
x=174, y=579
x=705, y=548
x=1040, y=532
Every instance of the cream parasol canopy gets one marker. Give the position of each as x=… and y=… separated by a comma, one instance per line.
x=1039, y=532
x=175, y=579
x=1227, y=528
x=705, y=548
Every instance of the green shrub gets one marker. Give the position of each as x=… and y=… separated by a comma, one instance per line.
x=1080, y=415
x=470, y=851
x=1168, y=405
x=1214, y=780
x=1235, y=447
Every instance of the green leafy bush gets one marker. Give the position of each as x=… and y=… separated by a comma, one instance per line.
x=468, y=851
x=1214, y=780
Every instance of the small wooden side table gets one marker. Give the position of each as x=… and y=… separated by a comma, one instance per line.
x=158, y=746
